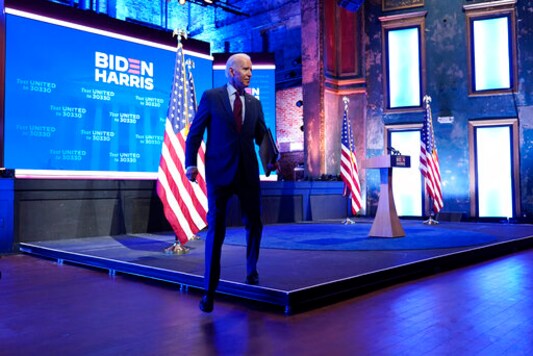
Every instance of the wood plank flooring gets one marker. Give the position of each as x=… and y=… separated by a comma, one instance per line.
x=51, y=309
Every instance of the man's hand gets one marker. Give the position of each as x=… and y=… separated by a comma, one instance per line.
x=273, y=166
x=191, y=173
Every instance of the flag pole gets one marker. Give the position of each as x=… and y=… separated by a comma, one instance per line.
x=430, y=213
x=190, y=88
x=177, y=248
x=431, y=221
x=345, y=100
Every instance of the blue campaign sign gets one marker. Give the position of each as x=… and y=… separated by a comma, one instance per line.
x=263, y=87
x=80, y=99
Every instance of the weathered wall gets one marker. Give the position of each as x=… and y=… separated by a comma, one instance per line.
x=524, y=100
x=447, y=84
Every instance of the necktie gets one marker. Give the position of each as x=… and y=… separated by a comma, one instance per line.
x=237, y=111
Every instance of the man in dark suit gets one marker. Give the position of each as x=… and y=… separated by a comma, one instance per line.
x=233, y=120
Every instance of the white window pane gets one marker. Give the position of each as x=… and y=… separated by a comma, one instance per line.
x=406, y=182
x=494, y=181
x=404, y=68
x=491, y=54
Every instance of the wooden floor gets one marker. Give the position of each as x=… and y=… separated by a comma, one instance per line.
x=51, y=309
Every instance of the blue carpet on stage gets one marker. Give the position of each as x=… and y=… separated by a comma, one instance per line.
x=340, y=237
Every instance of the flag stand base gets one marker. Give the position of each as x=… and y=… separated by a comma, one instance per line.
x=194, y=237
x=431, y=221
x=177, y=249
x=348, y=221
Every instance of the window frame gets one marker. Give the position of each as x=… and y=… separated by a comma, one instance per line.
x=512, y=123
x=414, y=160
x=487, y=11
x=399, y=22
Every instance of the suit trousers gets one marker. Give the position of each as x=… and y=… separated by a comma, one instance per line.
x=249, y=195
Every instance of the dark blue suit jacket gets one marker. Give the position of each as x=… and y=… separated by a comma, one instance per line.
x=225, y=147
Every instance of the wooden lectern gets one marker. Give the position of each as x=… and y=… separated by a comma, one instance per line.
x=386, y=223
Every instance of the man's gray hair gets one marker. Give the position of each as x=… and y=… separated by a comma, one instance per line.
x=232, y=59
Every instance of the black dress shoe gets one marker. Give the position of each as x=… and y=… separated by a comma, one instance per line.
x=206, y=303
x=252, y=279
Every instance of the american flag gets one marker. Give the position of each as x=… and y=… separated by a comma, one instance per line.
x=429, y=160
x=349, y=169
x=184, y=202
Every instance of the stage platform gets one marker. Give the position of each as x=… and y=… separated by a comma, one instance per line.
x=302, y=265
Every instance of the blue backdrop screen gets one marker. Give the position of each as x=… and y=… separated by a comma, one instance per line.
x=86, y=101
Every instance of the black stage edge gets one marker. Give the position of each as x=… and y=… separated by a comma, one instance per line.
x=336, y=291
x=185, y=280
x=354, y=272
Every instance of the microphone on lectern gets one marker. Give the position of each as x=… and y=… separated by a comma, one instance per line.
x=393, y=151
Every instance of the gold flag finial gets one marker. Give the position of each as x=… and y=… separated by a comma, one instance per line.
x=427, y=100
x=346, y=101
x=180, y=33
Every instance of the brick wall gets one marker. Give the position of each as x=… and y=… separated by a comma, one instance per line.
x=289, y=120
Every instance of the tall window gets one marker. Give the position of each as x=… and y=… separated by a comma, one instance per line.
x=406, y=182
x=493, y=170
x=404, y=62
x=494, y=164
x=403, y=65
x=491, y=39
